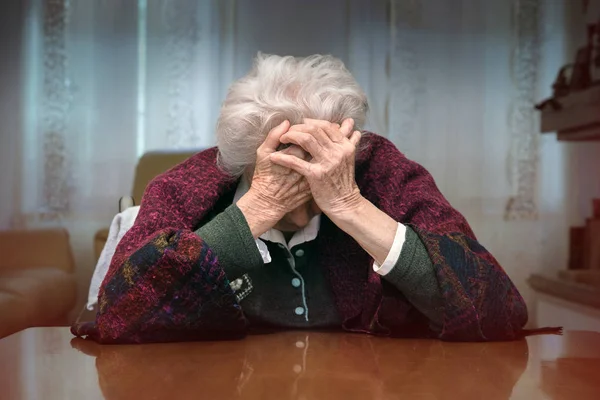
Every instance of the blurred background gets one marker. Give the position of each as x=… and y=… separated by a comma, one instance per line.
x=88, y=87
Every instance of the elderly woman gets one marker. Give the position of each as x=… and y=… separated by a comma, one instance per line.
x=298, y=220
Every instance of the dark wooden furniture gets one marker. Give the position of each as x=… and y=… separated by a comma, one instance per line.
x=49, y=363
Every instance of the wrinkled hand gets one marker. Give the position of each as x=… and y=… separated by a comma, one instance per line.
x=330, y=172
x=275, y=190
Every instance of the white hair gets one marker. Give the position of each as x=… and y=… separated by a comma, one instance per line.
x=279, y=88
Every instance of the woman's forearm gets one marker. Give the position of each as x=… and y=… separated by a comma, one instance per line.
x=373, y=229
x=258, y=214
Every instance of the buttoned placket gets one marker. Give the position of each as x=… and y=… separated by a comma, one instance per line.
x=298, y=281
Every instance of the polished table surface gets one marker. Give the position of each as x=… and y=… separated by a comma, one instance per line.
x=48, y=363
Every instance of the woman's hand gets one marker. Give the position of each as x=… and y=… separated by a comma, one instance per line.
x=275, y=190
x=330, y=172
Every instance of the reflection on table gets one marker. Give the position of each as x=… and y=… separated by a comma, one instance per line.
x=310, y=366
x=47, y=363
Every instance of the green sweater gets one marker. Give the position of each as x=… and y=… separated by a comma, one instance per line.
x=291, y=292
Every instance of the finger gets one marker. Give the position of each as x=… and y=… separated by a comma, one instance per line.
x=273, y=138
x=319, y=122
x=297, y=151
x=334, y=134
x=314, y=130
x=305, y=140
x=324, y=124
x=347, y=126
x=355, y=138
x=332, y=130
x=317, y=131
x=285, y=160
x=303, y=185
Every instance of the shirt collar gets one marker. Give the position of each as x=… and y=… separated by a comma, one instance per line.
x=306, y=234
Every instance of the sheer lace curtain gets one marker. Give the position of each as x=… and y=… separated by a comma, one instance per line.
x=11, y=18
x=108, y=80
x=452, y=84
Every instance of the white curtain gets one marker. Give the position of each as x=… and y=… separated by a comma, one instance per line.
x=108, y=80
x=452, y=83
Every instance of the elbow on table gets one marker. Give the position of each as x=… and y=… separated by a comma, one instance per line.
x=506, y=322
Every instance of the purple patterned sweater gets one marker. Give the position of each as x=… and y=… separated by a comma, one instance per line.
x=166, y=284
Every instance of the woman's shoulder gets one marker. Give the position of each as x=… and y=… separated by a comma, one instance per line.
x=375, y=149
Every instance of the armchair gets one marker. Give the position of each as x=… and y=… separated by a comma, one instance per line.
x=37, y=285
x=150, y=165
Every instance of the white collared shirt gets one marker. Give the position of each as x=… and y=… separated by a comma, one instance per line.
x=310, y=232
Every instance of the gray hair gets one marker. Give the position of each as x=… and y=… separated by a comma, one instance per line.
x=279, y=88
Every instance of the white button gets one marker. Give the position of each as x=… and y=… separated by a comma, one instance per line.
x=297, y=368
x=296, y=282
x=300, y=344
x=299, y=310
x=237, y=284
x=299, y=253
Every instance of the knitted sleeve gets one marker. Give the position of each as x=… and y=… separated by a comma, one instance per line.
x=229, y=235
x=480, y=302
x=414, y=275
x=164, y=282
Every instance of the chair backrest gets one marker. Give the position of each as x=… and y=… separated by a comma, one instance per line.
x=36, y=248
x=154, y=163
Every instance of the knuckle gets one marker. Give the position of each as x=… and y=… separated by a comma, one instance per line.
x=317, y=173
x=308, y=140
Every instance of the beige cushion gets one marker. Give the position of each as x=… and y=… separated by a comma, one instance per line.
x=36, y=284
x=34, y=248
x=34, y=297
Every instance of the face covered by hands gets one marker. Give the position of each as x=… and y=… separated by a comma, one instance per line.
x=286, y=195
x=329, y=171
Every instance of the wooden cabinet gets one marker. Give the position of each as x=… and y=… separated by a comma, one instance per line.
x=576, y=289
x=574, y=117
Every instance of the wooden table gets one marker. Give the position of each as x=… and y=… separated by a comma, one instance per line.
x=47, y=363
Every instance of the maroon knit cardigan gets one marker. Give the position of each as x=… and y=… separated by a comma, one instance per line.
x=166, y=284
